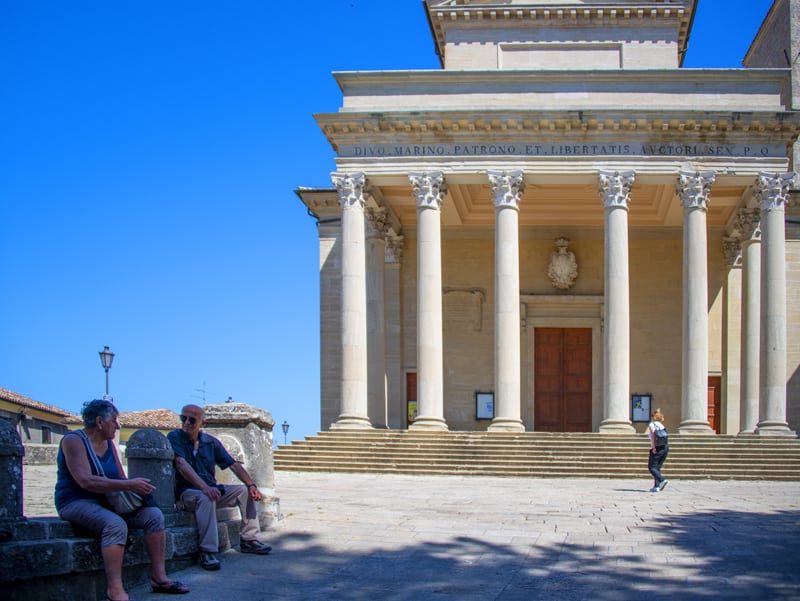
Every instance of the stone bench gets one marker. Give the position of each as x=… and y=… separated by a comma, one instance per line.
x=46, y=558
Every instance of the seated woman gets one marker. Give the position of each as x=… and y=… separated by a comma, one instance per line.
x=80, y=499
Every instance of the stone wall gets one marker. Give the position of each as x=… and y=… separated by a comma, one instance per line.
x=45, y=558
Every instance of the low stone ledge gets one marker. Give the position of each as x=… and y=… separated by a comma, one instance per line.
x=48, y=558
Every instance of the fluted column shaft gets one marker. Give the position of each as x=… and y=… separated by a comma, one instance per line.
x=693, y=189
x=773, y=193
x=507, y=188
x=429, y=190
x=749, y=222
x=376, y=330
x=615, y=188
x=354, y=303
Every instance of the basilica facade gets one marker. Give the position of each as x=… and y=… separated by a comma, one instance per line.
x=563, y=228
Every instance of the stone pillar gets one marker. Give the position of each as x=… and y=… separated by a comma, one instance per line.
x=246, y=432
x=773, y=194
x=750, y=227
x=615, y=188
x=354, y=413
x=329, y=230
x=376, y=324
x=429, y=190
x=396, y=403
x=730, y=417
x=150, y=456
x=11, y=453
x=693, y=189
x=507, y=188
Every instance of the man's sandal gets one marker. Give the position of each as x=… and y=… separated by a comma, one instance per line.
x=169, y=588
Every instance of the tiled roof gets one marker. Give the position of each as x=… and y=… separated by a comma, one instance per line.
x=161, y=419
x=23, y=401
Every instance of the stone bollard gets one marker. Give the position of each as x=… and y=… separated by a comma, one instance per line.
x=150, y=456
x=11, y=453
x=246, y=432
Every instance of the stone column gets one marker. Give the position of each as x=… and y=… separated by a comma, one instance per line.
x=507, y=188
x=750, y=227
x=396, y=402
x=693, y=189
x=354, y=413
x=376, y=329
x=429, y=190
x=11, y=453
x=730, y=417
x=246, y=433
x=773, y=193
x=615, y=189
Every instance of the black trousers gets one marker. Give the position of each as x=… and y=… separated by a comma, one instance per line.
x=655, y=461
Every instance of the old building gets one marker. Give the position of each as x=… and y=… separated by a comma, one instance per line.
x=563, y=228
x=36, y=422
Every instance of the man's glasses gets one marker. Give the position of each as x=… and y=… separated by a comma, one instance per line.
x=192, y=420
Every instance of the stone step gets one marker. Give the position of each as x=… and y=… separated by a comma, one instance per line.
x=539, y=454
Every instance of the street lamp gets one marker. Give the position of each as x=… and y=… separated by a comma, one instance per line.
x=285, y=428
x=106, y=358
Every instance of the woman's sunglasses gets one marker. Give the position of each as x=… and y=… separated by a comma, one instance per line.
x=192, y=420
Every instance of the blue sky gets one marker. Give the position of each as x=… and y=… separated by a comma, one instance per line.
x=149, y=154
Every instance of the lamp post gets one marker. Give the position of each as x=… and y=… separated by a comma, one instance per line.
x=285, y=428
x=106, y=358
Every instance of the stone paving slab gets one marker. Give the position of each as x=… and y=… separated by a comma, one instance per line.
x=370, y=537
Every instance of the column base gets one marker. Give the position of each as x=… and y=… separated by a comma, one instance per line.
x=616, y=426
x=694, y=427
x=774, y=429
x=429, y=424
x=352, y=422
x=505, y=424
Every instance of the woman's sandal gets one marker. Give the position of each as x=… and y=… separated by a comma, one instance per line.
x=169, y=588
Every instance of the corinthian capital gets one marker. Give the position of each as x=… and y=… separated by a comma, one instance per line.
x=694, y=188
x=376, y=221
x=749, y=223
x=772, y=190
x=351, y=188
x=732, y=247
x=394, y=249
x=615, y=188
x=507, y=188
x=429, y=189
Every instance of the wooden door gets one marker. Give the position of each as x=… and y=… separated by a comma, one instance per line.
x=563, y=379
x=714, y=402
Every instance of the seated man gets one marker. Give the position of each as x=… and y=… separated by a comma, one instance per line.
x=196, y=455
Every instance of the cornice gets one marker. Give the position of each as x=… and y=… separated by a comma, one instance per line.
x=708, y=78
x=785, y=123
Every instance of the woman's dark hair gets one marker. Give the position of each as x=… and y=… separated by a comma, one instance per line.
x=97, y=408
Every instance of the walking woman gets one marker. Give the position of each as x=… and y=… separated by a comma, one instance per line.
x=659, y=449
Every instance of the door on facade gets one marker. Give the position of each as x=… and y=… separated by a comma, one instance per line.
x=563, y=379
x=411, y=397
x=714, y=401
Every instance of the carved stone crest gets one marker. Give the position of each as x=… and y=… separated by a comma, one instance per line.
x=563, y=267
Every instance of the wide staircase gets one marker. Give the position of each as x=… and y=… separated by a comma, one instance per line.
x=541, y=455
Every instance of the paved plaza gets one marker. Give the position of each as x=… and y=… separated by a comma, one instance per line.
x=368, y=537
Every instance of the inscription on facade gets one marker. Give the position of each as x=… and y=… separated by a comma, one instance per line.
x=665, y=149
